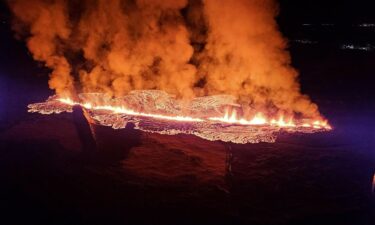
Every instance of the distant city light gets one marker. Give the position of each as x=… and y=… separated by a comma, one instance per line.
x=305, y=41
x=366, y=25
x=366, y=48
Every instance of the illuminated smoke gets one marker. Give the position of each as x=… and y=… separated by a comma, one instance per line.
x=136, y=45
x=48, y=26
x=187, y=48
x=245, y=56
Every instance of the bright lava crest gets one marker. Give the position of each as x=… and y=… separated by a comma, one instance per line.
x=157, y=112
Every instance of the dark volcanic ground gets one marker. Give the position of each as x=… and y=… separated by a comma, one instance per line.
x=48, y=176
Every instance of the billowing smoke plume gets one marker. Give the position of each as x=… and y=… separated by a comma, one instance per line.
x=185, y=47
x=245, y=56
x=48, y=26
x=136, y=45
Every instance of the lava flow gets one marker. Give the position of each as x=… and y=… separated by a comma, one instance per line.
x=123, y=110
x=206, y=117
x=258, y=119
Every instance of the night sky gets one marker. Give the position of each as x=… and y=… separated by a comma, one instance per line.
x=320, y=11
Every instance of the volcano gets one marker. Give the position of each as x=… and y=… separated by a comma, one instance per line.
x=182, y=112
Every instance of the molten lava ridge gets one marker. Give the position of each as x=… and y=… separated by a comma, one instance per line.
x=206, y=117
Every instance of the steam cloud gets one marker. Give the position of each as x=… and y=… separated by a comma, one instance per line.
x=185, y=47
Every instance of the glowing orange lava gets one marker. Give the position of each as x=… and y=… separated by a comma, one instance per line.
x=258, y=119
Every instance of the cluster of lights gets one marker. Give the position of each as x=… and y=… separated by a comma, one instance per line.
x=367, y=47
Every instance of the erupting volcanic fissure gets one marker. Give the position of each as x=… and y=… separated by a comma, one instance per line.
x=258, y=119
x=194, y=50
x=156, y=111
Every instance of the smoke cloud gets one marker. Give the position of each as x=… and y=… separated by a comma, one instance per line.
x=187, y=48
x=245, y=56
x=47, y=24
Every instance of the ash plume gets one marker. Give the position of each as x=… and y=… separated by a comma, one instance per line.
x=187, y=48
x=245, y=56
x=48, y=27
